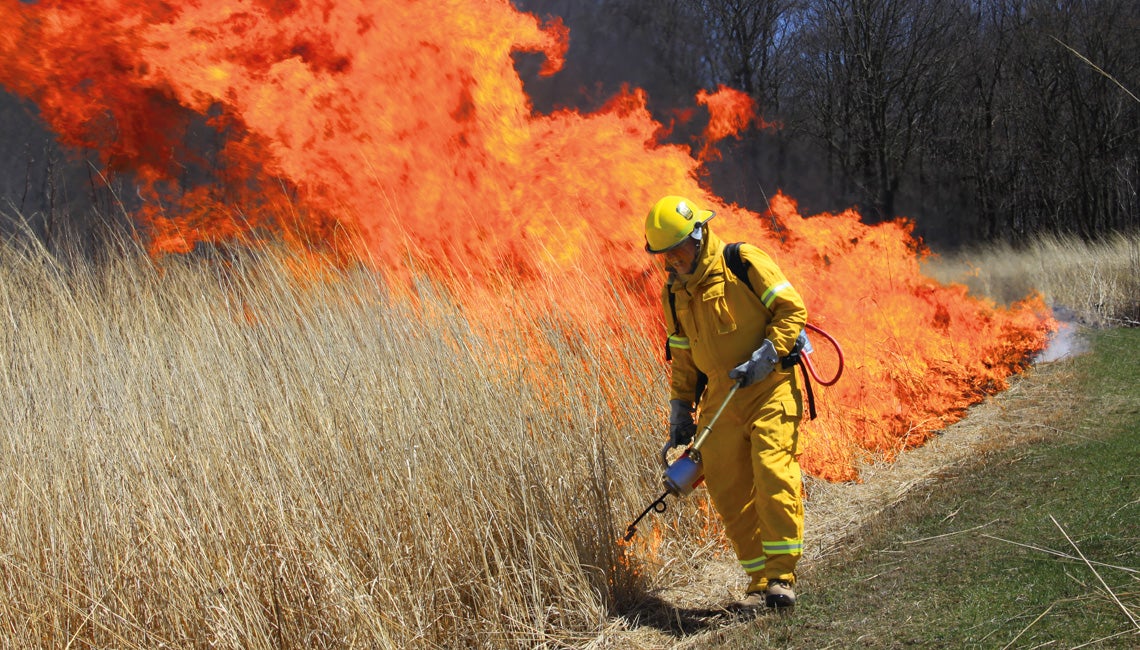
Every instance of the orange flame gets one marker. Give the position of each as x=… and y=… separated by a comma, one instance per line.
x=400, y=133
x=730, y=112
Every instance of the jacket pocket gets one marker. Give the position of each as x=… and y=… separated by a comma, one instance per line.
x=715, y=304
x=685, y=319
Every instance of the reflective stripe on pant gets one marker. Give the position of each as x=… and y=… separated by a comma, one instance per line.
x=755, y=483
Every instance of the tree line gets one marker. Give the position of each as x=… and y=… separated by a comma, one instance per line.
x=982, y=120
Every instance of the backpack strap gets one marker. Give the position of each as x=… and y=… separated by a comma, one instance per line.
x=735, y=263
x=676, y=324
x=739, y=267
x=702, y=378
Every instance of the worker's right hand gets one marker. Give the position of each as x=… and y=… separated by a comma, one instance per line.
x=758, y=366
x=681, y=425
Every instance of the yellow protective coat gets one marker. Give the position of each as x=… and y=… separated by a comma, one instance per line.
x=749, y=459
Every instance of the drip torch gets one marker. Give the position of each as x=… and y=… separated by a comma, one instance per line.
x=682, y=475
x=686, y=473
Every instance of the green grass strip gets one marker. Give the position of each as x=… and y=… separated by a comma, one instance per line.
x=1036, y=545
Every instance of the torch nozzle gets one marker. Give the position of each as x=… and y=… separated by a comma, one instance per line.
x=657, y=506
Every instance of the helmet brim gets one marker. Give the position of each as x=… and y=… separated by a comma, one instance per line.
x=705, y=217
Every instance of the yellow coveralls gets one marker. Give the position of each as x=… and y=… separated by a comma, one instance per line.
x=750, y=458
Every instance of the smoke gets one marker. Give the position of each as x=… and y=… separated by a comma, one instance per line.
x=1066, y=341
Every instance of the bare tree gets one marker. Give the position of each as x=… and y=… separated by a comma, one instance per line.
x=745, y=41
x=872, y=82
x=1048, y=138
x=982, y=153
x=1086, y=128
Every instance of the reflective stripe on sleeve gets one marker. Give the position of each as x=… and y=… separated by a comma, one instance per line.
x=770, y=295
x=679, y=342
x=784, y=547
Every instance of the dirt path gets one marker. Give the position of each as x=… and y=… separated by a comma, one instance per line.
x=685, y=617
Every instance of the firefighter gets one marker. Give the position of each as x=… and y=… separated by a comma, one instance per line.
x=722, y=331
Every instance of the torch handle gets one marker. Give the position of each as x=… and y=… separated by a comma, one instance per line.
x=694, y=451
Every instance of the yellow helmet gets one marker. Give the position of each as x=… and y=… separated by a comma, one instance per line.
x=671, y=221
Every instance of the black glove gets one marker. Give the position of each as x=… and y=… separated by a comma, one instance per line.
x=758, y=367
x=681, y=425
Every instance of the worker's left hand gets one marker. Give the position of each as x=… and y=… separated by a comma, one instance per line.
x=681, y=425
x=759, y=366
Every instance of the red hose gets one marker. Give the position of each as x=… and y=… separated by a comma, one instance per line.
x=806, y=358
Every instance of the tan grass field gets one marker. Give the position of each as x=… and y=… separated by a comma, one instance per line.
x=222, y=453
x=1097, y=282
x=218, y=454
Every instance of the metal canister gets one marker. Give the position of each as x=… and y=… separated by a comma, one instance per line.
x=682, y=475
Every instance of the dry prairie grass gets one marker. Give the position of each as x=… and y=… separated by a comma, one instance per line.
x=1099, y=282
x=222, y=450
x=214, y=453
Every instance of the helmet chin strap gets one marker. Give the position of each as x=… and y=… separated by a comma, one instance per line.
x=700, y=249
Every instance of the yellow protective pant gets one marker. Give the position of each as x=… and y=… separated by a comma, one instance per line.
x=754, y=479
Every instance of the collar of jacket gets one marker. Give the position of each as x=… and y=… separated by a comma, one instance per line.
x=711, y=259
